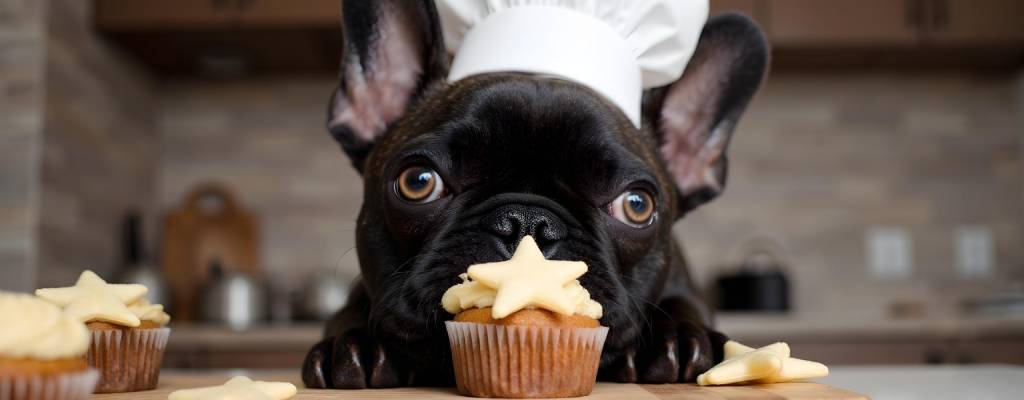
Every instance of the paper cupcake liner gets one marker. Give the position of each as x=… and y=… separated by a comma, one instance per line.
x=524, y=361
x=66, y=386
x=128, y=360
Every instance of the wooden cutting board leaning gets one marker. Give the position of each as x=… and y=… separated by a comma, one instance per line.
x=170, y=381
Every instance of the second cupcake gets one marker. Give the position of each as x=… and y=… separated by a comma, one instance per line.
x=129, y=334
x=524, y=328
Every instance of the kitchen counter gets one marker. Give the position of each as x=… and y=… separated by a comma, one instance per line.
x=979, y=382
x=879, y=382
x=754, y=327
x=962, y=340
x=173, y=380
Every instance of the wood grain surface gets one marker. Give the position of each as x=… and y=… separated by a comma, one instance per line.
x=804, y=391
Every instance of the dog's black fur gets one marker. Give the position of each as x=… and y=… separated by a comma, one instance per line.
x=520, y=154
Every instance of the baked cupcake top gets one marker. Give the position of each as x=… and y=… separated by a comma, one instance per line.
x=94, y=300
x=525, y=281
x=35, y=329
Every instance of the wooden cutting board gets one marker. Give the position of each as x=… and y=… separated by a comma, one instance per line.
x=210, y=225
x=804, y=391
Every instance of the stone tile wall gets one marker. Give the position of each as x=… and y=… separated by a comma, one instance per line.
x=99, y=150
x=22, y=90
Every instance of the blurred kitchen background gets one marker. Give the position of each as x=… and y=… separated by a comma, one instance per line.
x=874, y=211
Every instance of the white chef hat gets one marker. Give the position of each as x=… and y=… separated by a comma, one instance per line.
x=615, y=47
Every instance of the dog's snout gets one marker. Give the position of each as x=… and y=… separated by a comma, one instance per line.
x=512, y=222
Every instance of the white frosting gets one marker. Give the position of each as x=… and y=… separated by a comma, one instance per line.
x=472, y=294
x=146, y=311
x=38, y=330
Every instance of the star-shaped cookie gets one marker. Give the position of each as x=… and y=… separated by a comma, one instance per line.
x=768, y=364
x=93, y=299
x=529, y=280
x=239, y=387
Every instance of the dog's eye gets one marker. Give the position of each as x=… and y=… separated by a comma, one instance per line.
x=634, y=207
x=418, y=184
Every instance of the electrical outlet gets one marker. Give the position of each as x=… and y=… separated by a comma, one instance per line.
x=888, y=252
x=974, y=251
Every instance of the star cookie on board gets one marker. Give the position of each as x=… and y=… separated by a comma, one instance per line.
x=93, y=299
x=529, y=280
x=769, y=364
x=239, y=387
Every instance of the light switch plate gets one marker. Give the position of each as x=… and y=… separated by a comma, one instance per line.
x=975, y=252
x=889, y=253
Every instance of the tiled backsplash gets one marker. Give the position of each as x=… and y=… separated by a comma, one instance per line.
x=79, y=137
x=22, y=55
x=818, y=160
x=267, y=143
x=821, y=159
x=100, y=152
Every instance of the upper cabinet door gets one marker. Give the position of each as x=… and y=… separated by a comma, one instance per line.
x=161, y=14
x=976, y=22
x=746, y=7
x=307, y=13
x=817, y=23
x=184, y=15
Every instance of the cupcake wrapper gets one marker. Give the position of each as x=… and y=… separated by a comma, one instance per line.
x=68, y=386
x=524, y=361
x=128, y=360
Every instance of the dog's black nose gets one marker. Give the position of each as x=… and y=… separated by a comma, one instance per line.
x=512, y=222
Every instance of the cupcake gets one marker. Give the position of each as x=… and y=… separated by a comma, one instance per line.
x=42, y=352
x=524, y=328
x=128, y=334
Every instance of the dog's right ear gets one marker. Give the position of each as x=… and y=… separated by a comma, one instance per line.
x=393, y=50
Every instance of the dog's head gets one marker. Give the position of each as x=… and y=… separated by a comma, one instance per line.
x=457, y=173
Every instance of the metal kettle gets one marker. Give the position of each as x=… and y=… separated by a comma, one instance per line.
x=232, y=298
x=759, y=282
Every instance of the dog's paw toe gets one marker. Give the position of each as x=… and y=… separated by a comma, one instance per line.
x=699, y=349
x=317, y=365
x=346, y=370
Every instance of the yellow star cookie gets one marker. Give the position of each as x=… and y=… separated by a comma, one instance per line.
x=769, y=364
x=529, y=280
x=93, y=299
x=239, y=387
x=793, y=369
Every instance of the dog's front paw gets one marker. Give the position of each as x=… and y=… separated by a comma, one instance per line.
x=350, y=361
x=678, y=352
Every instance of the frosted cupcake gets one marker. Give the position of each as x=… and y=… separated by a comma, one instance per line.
x=128, y=334
x=42, y=352
x=524, y=328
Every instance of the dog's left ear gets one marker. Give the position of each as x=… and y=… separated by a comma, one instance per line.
x=393, y=50
x=694, y=117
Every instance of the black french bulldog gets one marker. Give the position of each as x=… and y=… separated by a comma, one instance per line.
x=457, y=173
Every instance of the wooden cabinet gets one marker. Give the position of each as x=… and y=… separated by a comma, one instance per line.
x=841, y=22
x=893, y=23
x=966, y=22
x=749, y=8
x=187, y=37
x=185, y=15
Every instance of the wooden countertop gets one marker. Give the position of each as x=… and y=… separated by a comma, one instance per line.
x=173, y=380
